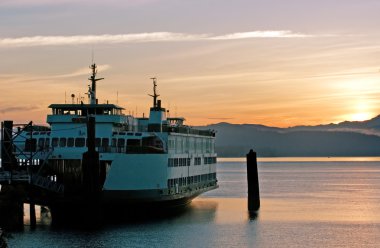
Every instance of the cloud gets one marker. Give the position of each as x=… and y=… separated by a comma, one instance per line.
x=32, y=78
x=82, y=71
x=18, y=109
x=94, y=39
x=139, y=38
x=261, y=34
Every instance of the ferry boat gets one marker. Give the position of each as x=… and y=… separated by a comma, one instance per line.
x=141, y=160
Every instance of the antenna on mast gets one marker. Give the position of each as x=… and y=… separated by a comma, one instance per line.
x=155, y=95
x=93, y=79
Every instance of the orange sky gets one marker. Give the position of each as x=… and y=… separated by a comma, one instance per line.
x=250, y=62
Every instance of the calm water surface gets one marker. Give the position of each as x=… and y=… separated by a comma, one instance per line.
x=321, y=203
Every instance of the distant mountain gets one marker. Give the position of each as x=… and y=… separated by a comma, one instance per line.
x=367, y=127
x=343, y=139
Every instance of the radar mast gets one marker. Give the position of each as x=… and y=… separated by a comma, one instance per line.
x=92, y=88
x=155, y=95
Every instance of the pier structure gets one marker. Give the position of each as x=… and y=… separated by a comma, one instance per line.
x=25, y=179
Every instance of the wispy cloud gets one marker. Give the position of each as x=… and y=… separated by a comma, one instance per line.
x=81, y=72
x=18, y=108
x=140, y=38
x=261, y=34
x=16, y=78
x=94, y=39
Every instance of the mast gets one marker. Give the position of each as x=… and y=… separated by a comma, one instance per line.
x=92, y=88
x=155, y=95
x=157, y=115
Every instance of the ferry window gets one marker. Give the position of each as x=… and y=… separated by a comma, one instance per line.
x=171, y=143
x=62, y=142
x=70, y=142
x=120, y=142
x=41, y=143
x=47, y=142
x=138, y=134
x=184, y=145
x=98, y=142
x=176, y=162
x=178, y=145
x=105, y=142
x=191, y=144
x=54, y=142
x=130, y=134
x=80, y=142
x=113, y=144
x=188, y=161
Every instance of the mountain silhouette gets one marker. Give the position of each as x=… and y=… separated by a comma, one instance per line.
x=348, y=138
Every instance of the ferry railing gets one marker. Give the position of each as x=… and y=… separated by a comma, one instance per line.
x=188, y=130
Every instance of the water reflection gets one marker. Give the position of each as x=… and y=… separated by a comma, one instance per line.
x=196, y=212
x=334, y=204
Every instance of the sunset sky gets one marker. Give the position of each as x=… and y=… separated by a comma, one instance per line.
x=275, y=62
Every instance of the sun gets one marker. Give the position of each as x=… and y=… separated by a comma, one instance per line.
x=363, y=116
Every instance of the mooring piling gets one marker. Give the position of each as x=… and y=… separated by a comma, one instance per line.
x=32, y=213
x=253, y=182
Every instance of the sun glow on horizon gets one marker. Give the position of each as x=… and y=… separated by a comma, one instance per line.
x=363, y=112
x=363, y=116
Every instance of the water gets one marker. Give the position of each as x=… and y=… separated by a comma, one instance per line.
x=303, y=204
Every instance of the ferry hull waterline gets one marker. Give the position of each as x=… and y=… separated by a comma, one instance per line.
x=92, y=153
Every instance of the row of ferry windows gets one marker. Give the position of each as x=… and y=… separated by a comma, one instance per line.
x=175, y=162
x=183, y=144
x=81, y=142
x=183, y=181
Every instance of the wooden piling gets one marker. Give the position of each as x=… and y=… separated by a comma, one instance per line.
x=90, y=163
x=253, y=182
x=32, y=213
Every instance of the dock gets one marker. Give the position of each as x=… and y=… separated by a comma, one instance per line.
x=25, y=180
